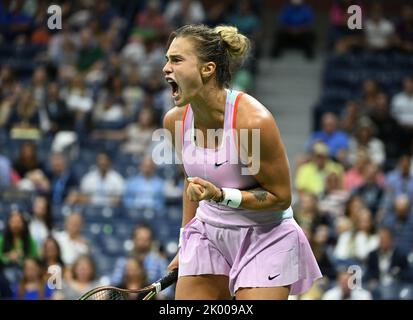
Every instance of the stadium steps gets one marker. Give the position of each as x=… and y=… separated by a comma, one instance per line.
x=289, y=87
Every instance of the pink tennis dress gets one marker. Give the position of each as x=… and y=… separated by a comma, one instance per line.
x=254, y=249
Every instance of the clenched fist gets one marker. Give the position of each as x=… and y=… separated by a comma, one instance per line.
x=200, y=189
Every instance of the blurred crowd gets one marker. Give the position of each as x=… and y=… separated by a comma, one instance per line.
x=354, y=181
x=82, y=201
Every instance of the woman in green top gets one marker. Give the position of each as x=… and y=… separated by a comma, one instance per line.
x=16, y=242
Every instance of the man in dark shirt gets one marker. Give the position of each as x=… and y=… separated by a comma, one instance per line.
x=60, y=117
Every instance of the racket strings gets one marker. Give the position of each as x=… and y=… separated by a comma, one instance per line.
x=109, y=294
x=146, y=293
x=113, y=294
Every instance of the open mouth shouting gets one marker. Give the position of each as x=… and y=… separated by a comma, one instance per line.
x=175, y=88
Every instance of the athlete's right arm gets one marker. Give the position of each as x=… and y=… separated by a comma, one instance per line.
x=189, y=207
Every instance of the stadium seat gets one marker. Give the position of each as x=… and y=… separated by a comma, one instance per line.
x=111, y=245
x=6, y=50
x=406, y=292
x=174, y=213
x=171, y=247
x=123, y=228
x=98, y=213
x=104, y=263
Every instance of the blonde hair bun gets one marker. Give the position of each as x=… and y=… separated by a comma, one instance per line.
x=238, y=45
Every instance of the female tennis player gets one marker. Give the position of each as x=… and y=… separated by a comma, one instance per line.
x=239, y=237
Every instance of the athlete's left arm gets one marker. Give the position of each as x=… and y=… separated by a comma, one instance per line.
x=273, y=173
x=269, y=167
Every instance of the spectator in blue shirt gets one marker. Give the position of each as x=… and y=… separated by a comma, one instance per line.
x=336, y=140
x=295, y=29
x=146, y=190
x=62, y=180
x=400, y=220
x=32, y=286
x=154, y=264
x=398, y=182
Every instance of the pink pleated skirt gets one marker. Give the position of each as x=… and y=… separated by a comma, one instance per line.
x=252, y=257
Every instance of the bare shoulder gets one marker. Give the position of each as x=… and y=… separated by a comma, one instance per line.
x=173, y=115
x=171, y=120
x=252, y=114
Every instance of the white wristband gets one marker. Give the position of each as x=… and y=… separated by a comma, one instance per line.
x=181, y=231
x=232, y=197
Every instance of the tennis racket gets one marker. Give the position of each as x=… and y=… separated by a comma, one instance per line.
x=114, y=293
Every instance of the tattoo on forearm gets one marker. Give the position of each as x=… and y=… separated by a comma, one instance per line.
x=260, y=195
